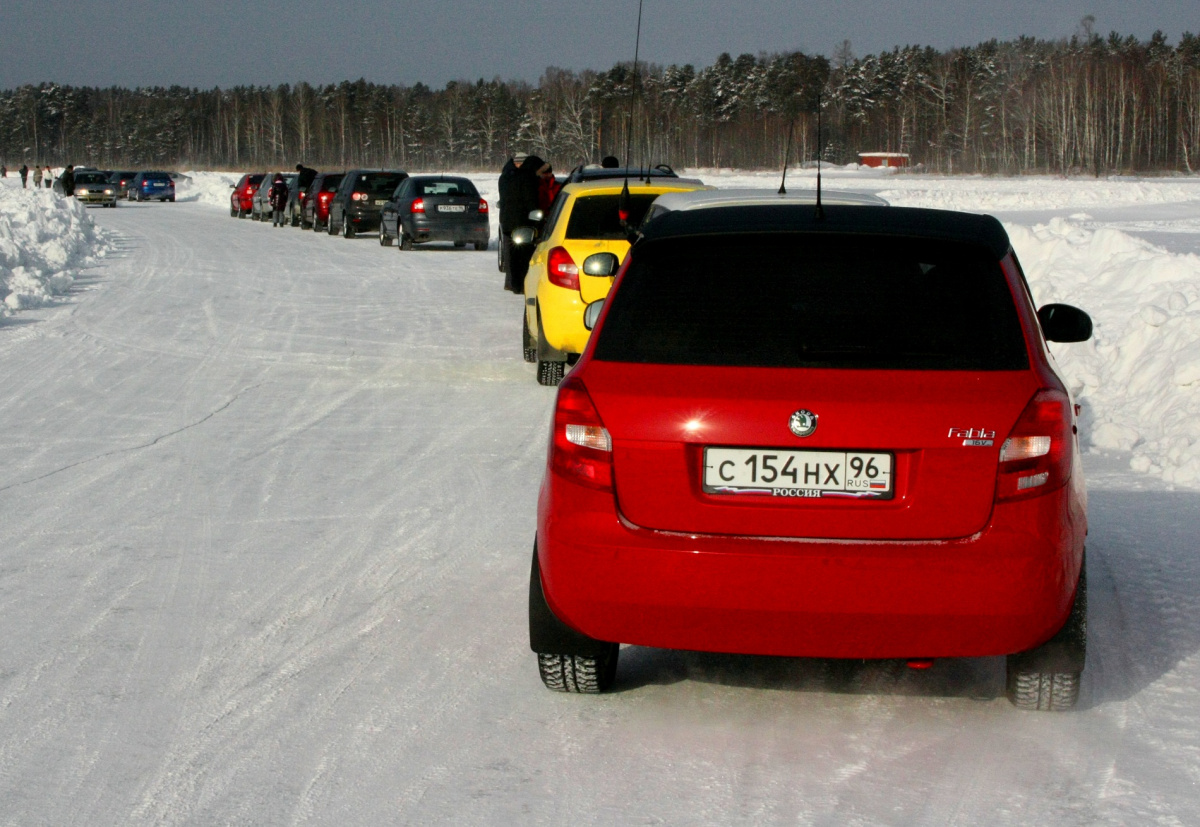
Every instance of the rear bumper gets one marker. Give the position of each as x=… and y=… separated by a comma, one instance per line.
x=1004, y=590
x=468, y=231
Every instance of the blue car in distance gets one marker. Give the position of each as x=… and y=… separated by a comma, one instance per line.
x=147, y=186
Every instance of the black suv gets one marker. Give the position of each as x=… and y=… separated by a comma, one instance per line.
x=595, y=172
x=357, y=204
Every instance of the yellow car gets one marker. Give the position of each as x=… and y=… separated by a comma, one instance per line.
x=584, y=220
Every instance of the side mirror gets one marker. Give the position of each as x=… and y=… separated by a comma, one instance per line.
x=1064, y=323
x=536, y=216
x=522, y=235
x=591, y=314
x=233, y=186
x=600, y=264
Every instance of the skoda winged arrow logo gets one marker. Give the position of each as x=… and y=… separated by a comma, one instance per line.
x=803, y=423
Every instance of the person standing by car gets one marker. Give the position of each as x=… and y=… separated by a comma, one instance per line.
x=48, y=178
x=67, y=179
x=24, y=172
x=279, y=198
x=508, y=215
x=519, y=199
x=304, y=177
x=37, y=177
x=548, y=188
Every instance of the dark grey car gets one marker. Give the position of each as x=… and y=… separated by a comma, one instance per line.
x=435, y=208
x=360, y=197
x=315, y=212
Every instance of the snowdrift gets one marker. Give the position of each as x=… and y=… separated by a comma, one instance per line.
x=1138, y=379
x=44, y=239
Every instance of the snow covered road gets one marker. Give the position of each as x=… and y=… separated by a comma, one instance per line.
x=266, y=513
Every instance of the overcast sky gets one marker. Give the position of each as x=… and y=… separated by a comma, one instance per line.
x=206, y=43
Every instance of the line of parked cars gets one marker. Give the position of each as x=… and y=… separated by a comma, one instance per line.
x=397, y=207
x=105, y=186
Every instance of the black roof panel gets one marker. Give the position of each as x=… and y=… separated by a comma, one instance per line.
x=859, y=220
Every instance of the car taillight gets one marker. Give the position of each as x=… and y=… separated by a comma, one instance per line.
x=561, y=269
x=358, y=196
x=1036, y=457
x=581, y=447
x=325, y=197
x=417, y=206
x=483, y=208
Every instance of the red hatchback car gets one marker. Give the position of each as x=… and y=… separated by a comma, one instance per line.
x=241, y=200
x=837, y=436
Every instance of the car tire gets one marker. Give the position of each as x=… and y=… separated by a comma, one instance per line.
x=406, y=242
x=232, y=212
x=550, y=373
x=577, y=673
x=458, y=245
x=347, y=228
x=385, y=240
x=480, y=246
x=172, y=199
x=528, y=343
x=1048, y=677
x=329, y=226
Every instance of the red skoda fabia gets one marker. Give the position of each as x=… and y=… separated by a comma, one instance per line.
x=835, y=436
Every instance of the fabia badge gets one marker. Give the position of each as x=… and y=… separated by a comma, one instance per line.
x=803, y=423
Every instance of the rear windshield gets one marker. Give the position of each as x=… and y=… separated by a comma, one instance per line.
x=330, y=183
x=381, y=184
x=91, y=178
x=446, y=188
x=155, y=176
x=807, y=300
x=596, y=216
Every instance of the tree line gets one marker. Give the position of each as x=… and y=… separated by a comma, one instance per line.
x=1088, y=104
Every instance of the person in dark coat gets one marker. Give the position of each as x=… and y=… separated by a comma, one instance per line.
x=517, y=200
x=305, y=176
x=279, y=198
x=67, y=179
x=24, y=172
x=508, y=217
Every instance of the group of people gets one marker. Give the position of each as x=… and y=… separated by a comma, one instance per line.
x=280, y=195
x=37, y=174
x=527, y=183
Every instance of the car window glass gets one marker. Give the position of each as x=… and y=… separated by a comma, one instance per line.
x=556, y=211
x=447, y=188
x=812, y=300
x=379, y=184
x=597, y=216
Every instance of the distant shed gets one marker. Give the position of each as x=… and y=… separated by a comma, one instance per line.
x=883, y=159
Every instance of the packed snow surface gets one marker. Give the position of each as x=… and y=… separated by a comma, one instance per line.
x=267, y=504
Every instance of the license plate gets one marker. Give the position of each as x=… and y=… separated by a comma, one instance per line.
x=782, y=473
x=451, y=208
x=379, y=202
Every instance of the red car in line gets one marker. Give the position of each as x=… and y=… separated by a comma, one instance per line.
x=241, y=200
x=835, y=435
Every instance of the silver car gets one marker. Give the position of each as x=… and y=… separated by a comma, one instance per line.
x=95, y=188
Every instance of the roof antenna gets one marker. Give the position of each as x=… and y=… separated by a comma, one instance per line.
x=787, y=153
x=820, y=213
x=623, y=200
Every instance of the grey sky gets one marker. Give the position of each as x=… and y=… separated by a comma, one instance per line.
x=206, y=43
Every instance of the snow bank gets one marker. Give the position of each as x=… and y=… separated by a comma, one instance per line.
x=207, y=187
x=43, y=239
x=1138, y=379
